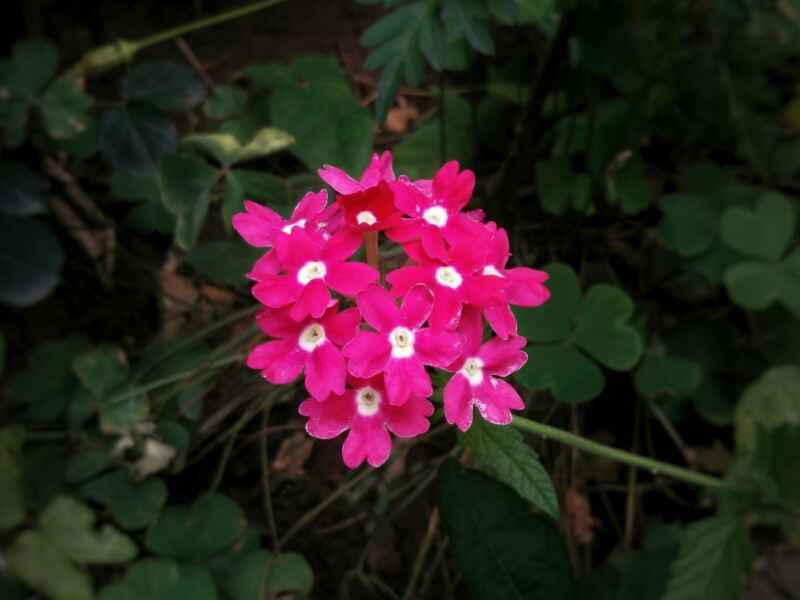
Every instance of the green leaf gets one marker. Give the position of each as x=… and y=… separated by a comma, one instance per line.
x=501, y=548
x=13, y=121
x=12, y=497
x=225, y=101
x=667, y=376
x=503, y=453
x=602, y=329
x=776, y=455
x=420, y=151
x=260, y=574
x=754, y=285
x=35, y=63
x=265, y=142
x=123, y=417
x=168, y=86
x=86, y=464
x=224, y=261
x=689, y=225
x=23, y=193
x=31, y=258
x=135, y=136
x=186, y=186
x=132, y=504
x=764, y=232
x=42, y=474
x=571, y=376
x=713, y=561
x=560, y=189
x=69, y=525
x=319, y=110
x=645, y=572
x=255, y=185
x=467, y=19
x=223, y=147
x=629, y=188
x=48, y=383
x=156, y=579
x=769, y=402
x=552, y=321
x=36, y=561
x=100, y=370
x=198, y=531
x=65, y=109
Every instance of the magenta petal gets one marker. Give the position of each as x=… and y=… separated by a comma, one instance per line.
x=280, y=362
x=480, y=290
x=369, y=440
x=438, y=348
x=330, y=418
x=313, y=300
x=265, y=267
x=506, y=395
x=379, y=169
x=471, y=327
x=277, y=323
x=409, y=420
x=342, y=245
x=433, y=243
x=406, y=231
x=350, y=278
x=409, y=199
x=277, y=290
x=445, y=178
x=416, y=307
x=499, y=250
x=263, y=355
x=458, y=402
x=367, y=354
x=325, y=372
x=503, y=357
x=297, y=248
x=446, y=308
x=339, y=180
x=378, y=308
x=342, y=327
x=310, y=206
x=404, y=278
x=501, y=319
x=527, y=286
x=406, y=377
x=490, y=404
x=254, y=231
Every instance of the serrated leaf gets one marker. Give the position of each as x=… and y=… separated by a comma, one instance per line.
x=69, y=525
x=65, y=109
x=763, y=232
x=769, y=402
x=667, y=376
x=503, y=453
x=571, y=376
x=135, y=136
x=500, y=547
x=12, y=497
x=186, y=186
x=468, y=19
x=100, y=370
x=713, y=561
x=224, y=261
x=23, y=193
x=553, y=321
x=602, y=328
x=225, y=101
x=261, y=574
x=157, y=579
x=198, y=531
x=31, y=258
x=132, y=504
x=168, y=86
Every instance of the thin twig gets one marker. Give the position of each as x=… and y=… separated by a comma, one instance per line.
x=416, y=569
x=191, y=58
x=269, y=511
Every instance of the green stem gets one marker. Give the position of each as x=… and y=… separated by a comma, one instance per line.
x=235, y=13
x=157, y=383
x=629, y=458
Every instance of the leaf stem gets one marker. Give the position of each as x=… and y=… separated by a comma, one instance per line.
x=373, y=257
x=629, y=458
x=266, y=486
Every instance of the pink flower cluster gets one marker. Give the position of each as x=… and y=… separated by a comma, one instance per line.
x=373, y=380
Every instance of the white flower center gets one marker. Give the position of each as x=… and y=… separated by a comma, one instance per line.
x=366, y=217
x=301, y=223
x=449, y=277
x=436, y=216
x=313, y=269
x=402, y=341
x=473, y=370
x=491, y=270
x=312, y=337
x=368, y=401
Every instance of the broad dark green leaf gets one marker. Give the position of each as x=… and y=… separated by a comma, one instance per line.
x=132, y=504
x=186, y=186
x=101, y=370
x=65, y=109
x=560, y=189
x=224, y=261
x=134, y=137
x=35, y=63
x=261, y=574
x=763, y=232
x=225, y=101
x=776, y=455
x=553, y=320
x=31, y=258
x=157, y=579
x=503, y=453
x=501, y=548
x=768, y=403
x=23, y=193
x=43, y=468
x=564, y=370
x=667, y=376
x=86, y=464
x=468, y=19
x=169, y=86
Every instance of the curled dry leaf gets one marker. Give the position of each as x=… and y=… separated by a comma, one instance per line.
x=579, y=520
x=293, y=453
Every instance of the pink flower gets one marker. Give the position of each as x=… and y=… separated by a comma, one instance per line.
x=364, y=410
x=370, y=210
x=435, y=215
x=476, y=383
x=379, y=169
x=455, y=282
x=312, y=265
x=260, y=226
x=520, y=286
x=400, y=347
x=311, y=345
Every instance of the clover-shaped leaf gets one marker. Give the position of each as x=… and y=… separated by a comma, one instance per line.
x=198, y=531
x=158, y=579
x=260, y=573
x=667, y=376
x=132, y=504
x=560, y=189
x=769, y=402
x=763, y=232
x=565, y=330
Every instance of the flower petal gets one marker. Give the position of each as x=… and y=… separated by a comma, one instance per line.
x=280, y=361
x=447, y=307
x=266, y=266
x=458, y=402
x=501, y=319
x=297, y=248
x=409, y=420
x=436, y=347
x=378, y=308
x=313, y=300
x=276, y=291
x=471, y=327
x=379, y=169
x=404, y=278
x=367, y=354
x=339, y=180
x=325, y=372
x=409, y=199
x=277, y=323
x=341, y=327
x=342, y=245
x=310, y=206
x=416, y=307
x=369, y=440
x=433, y=243
x=503, y=357
x=255, y=231
x=527, y=286
x=406, y=377
x=330, y=418
x=350, y=278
